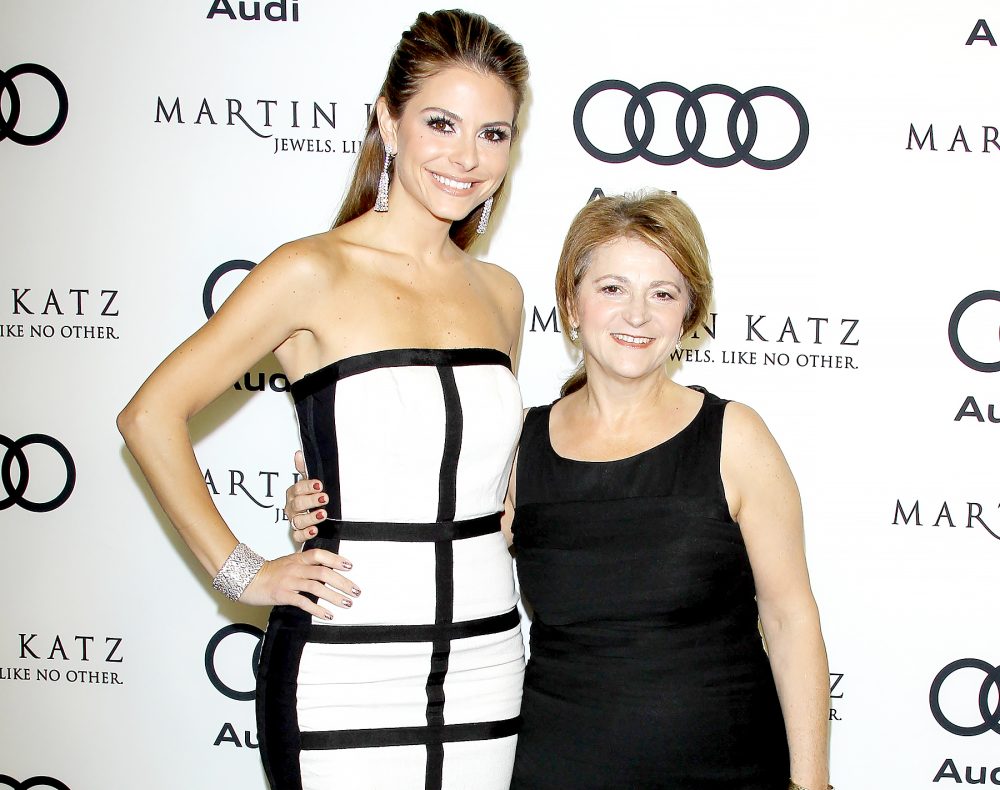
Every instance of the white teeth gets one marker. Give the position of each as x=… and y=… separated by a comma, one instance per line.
x=642, y=341
x=450, y=182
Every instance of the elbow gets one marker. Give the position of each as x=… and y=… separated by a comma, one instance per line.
x=130, y=422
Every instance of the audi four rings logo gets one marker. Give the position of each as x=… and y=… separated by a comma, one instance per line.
x=956, y=319
x=212, y=649
x=8, y=89
x=991, y=718
x=691, y=145
x=208, y=292
x=35, y=781
x=15, y=455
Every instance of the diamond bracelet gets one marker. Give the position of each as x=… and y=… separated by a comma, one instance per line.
x=237, y=571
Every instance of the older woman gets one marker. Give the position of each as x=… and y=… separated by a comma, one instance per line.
x=654, y=525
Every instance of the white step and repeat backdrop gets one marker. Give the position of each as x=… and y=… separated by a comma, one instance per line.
x=843, y=160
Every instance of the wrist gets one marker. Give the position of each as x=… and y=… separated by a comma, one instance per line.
x=240, y=568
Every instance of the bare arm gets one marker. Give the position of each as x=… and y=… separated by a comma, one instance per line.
x=258, y=317
x=765, y=502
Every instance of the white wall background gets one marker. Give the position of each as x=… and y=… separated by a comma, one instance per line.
x=861, y=232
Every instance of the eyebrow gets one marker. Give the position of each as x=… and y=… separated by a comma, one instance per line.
x=458, y=118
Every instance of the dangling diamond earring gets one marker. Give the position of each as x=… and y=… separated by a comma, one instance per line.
x=574, y=334
x=382, y=197
x=484, y=218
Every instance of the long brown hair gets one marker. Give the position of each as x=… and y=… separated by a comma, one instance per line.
x=660, y=219
x=436, y=41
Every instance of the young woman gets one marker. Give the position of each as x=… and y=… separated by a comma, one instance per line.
x=398, y=343
x=655, y=527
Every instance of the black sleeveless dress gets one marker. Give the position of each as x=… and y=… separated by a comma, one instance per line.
x=647, y=668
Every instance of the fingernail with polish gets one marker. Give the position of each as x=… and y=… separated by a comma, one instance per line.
x=317, y=487
x=322, y=499
x=346, y=564
x=348, y=603
x=356, y=591
x=328, y=615
x=320, y=515
x=313, y=532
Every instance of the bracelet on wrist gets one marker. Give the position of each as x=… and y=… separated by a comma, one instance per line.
x=793, y=785
x=236, y=573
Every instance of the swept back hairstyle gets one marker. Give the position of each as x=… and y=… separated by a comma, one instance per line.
x=436, y=41
x=661, y=220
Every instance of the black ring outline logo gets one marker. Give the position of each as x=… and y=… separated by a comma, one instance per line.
x=991, y=719
x=222, y=269
x=35, y=781
x=956, y=318
x=7, y=86
x=213, y=645
x=690, y=100
x=15, y=493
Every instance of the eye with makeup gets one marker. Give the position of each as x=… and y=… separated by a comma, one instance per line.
x=612, y=289
x=495, y=134
x=442, y=124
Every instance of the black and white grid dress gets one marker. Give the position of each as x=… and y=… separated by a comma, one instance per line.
x=419, y=684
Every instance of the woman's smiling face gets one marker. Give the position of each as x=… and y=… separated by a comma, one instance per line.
x=452, y=142
x=630, y=308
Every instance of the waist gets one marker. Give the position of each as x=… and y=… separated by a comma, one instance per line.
x=646, y=640
x=293, y=618
x=410, y=532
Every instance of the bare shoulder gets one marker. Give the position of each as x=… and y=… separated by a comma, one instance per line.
x=743, y=427
x=749, y=450
x=310, y=257
x=504, y=285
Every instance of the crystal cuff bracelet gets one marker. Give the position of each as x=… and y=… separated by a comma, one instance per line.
x=237, y=571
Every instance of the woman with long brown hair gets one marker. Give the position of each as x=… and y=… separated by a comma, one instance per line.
x=398, y=343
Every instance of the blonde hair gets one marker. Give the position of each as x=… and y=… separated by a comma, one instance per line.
x=435, y=42
x=661, y=220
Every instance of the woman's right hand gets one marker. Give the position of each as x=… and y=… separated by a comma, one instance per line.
x=304, y=503
x=286, y=580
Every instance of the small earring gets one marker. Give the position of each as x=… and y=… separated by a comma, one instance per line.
x=382, y=196
x=484, y=218
x=574, y=334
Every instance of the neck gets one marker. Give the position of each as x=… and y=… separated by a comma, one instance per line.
x=616, y=401
x=410, y=229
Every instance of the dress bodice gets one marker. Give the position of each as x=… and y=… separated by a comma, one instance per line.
x=651, y=533
x=387, y=431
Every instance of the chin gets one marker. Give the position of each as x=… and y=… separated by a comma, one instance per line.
x=450, y=214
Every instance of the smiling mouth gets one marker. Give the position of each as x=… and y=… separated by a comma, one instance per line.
x=451, y=183
x=631, y=340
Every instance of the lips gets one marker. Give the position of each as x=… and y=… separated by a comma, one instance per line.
x=452, y=184
x=635, y=341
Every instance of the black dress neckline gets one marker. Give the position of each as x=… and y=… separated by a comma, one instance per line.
x=547, y=432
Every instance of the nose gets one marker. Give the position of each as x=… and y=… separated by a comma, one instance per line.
x=637, y=310
x=465, y=152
